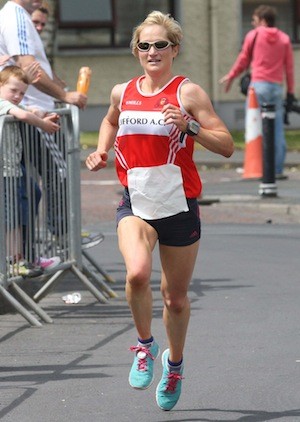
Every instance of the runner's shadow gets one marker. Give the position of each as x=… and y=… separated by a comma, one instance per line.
x=202, y=286
x=241, y=415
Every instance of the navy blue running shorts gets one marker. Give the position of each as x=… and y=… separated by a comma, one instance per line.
x=177, y=230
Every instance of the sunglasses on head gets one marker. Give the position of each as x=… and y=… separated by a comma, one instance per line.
x=159, y=45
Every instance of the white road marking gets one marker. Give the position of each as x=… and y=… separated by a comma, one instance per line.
x=100, y=182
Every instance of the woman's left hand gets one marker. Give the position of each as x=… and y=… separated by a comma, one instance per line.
x=172, y=114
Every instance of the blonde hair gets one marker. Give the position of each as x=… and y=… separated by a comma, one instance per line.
x=14, y=71
x=174, y=31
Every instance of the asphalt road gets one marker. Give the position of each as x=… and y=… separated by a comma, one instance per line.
x=242, y=357
x=227, y=197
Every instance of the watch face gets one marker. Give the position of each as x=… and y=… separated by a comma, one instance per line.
x=193, y=127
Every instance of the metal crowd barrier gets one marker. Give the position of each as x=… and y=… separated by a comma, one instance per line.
x=40, y=212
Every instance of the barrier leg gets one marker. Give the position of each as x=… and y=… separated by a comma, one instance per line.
x=96, y=265
x=89, y=285
x=103, y=286
x=48, y=286
x=31, y=303
x=19, y=308
x=56, y=277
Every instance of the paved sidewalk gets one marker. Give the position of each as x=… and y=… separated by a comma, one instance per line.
x=205, y=157
x=238, y=191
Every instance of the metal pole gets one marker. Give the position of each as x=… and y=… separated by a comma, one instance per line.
x=268, y=186
x=27, y=299
x=20, y=308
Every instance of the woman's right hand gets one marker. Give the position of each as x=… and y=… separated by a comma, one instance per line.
x=227, y=81
x=96, y=160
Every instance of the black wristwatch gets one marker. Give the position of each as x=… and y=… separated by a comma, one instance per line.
x=192, y=128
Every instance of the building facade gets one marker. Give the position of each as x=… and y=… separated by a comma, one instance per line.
x=97, y=33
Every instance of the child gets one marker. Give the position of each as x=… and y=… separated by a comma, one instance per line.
x=13, y=85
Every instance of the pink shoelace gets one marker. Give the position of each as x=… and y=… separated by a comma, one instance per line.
x=142, y=354
x=173, y=378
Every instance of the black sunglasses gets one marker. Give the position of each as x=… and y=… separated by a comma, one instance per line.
x=159, y=45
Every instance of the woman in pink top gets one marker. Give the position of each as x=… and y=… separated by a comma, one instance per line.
x=272, y=64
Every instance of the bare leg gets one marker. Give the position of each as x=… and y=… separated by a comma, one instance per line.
x=136, y=242
x=13, y=243
x=177, y=269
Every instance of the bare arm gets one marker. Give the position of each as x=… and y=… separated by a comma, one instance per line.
x=59, y=81
x=107, y=132
x=48, y=86
x=213, y=134
x=47, y=124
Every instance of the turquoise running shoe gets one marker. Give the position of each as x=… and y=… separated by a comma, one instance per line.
x=169, y=388
x=141, y=373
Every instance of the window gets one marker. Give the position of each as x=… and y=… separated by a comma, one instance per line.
x=288, y=16
x=102, y=24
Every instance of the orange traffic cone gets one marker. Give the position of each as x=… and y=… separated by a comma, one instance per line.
x=253, y=161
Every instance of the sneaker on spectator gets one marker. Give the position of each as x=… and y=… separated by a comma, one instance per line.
x=88, y=239
x=25, y=269
x=48, y=264
x=141, y=373
x=169, y=388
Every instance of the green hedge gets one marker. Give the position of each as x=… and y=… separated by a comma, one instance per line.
x=90, y=139
x=292, y=139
